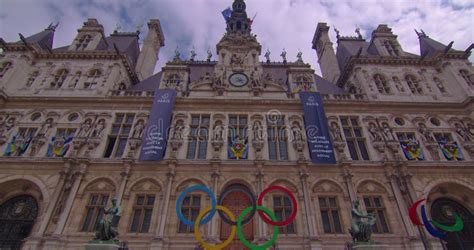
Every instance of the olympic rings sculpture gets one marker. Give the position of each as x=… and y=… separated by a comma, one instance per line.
x=228, y=217
x=458, y=225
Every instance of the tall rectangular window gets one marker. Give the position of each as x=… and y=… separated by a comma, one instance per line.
x=118, y=137
x=277, y=138
x=282, y=208
x=374, y=205
x=238, y=132
x=354, y=137
x=142, y=212
x=330, y=214
x=94, y=212
x=190, y=209
x=198, y=138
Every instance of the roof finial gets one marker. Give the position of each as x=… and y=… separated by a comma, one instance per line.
x=52, y=26
x=117, y=27
x=357, y=31
x=337, y=32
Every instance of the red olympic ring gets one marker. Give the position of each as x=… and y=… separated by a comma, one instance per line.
x=293, y=201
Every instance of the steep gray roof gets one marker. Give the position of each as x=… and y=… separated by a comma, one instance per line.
x=150, y=84
x=44, y=39
x=326, y=87
x=350, y=47
x=429, y=47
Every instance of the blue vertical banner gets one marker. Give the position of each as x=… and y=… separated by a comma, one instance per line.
x=156, y=133
x=317, y=132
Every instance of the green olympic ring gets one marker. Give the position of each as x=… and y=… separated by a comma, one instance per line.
x=242, y=237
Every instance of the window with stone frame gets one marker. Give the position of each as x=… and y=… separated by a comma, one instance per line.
x=4, y=67
x=26, y=133
x=466, y=76
x=65, y=132
x=83, y=42
x=142, y=213
x=382, y=84
x=374, y=205
x=398, y=84
x=406, y=136
x=440, y=85
x=198, y=137
x=190, y=208
x=173, y=80
x=391, y=47
x=330, y=216
x=92, y=79
x=118, y=137
x=32, y=79
x=446, y=138
x=75, y=80
x=354, y=137
x=414, y=85
x=94, y=211
x=282, y=208
x=237, y=128
x=277, y=138
x=59, y=78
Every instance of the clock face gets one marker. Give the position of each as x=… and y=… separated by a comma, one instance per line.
x=238, y=79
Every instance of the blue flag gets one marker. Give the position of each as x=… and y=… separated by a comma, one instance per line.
x=227, y=13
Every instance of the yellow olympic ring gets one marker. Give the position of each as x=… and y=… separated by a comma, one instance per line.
x=197, y=234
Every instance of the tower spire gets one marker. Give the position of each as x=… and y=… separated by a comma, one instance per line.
x=239, y=21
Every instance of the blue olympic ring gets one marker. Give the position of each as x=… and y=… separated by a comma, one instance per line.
x=183, y=195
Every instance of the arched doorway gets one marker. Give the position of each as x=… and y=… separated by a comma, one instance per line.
x=17, y=217
x=442, y=211
x=236, y=201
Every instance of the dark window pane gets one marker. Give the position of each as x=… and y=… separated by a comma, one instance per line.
x=233, y=120
x=205, y=120
x=352, y=150
x=94, y=199
x=367, y=202
x=122, y=143
x=279, y=214
x=140, y=200
x=383, y=222
x=126, y=130
x=196, y=200
x=322, y=202
x=87, y=220
x=191, y=149
x=119, y=118
x=146, y=220
x=110, y=147
x=276, y=201
x=115, y=129
x=151, y=200
x=272, y=150
x=326, y=223
x=354, y=122
x=130, y=118
x=135, y=221
x=347, y=132
x=332, y=202
x=105, y=198
x=202, y=150
x=98, y=219
x=186, y=201
x=377, y=202
x=344, y=121
x=242, y=120
x=290, y=228
x=287, y=201
x=363, y=150
x=195, y=120
x=357, y=132
x=337, y=222
x=283, y=151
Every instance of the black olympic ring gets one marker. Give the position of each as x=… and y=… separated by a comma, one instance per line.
x=245, y=191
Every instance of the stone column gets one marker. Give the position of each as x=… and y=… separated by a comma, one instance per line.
x=259, y=175
x=347, y=175
x=213, y=224
x=164, y=209
x=310, y=218
x=78, y=175
x=127, y=166
x=54, y=200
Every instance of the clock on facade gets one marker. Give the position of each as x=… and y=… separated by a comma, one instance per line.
x=238, y=79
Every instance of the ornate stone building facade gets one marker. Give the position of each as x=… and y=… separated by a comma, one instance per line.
x=72, y=120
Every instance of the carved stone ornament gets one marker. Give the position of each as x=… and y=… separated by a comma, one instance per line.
x=133, y=143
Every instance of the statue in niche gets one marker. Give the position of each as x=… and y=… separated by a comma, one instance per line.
x=463, y=132
x=254, y=81
x=427, y=136
x=193, y=55
x=336, y=132
x=218, y=131
x=236, y=59
x=299, y=57
x=85, y=129
x=98, y=128
x=257, y=130
x=107, y=229
x=297, y=134
x=177, y=55
x=178, y=130
x=45, y=127
x=267, y=56
x=283, y=55
x=388, y=132
x=10, y=123
x=361, y=225
x=375, y=132
x=138, y=129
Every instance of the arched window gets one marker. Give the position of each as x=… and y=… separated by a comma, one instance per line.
x=32, y=78
x=382, y=84
x=374, y=198
x=465, y=75
x=440, y=85
x=4, y=67
x=92, y=79
x=398, y=84
x=59, y=78
x=414, y=85
x=83, y=42
x=75, y=80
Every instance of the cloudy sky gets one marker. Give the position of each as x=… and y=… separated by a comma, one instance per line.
x=279, y=24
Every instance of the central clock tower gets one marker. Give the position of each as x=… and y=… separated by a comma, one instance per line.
x=238, y=51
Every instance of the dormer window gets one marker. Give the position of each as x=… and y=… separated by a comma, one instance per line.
x=59, y=78
x=391, y=48
x=382, y=84
x=465, y=75
x=92, y=79
x=4, y=67
x=83, y=42
x=414, y=85
x=32, y=79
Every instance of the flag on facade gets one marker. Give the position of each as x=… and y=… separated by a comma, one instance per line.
x=227, y=13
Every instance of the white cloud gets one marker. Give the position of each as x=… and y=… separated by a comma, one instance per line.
x=288, y=24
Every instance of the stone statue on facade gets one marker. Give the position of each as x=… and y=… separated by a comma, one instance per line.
x=463, y=132
x=177, y=55
x=138, y=130
x=85, y=129
x=387, y=132
x=427, y=136
x=299, y=57
x=218, y=132
x=178, y=131
x=267, y=56
x=107, y=229
x=361, y=225
x=209, y=55
x=254, y=81
x=45, y=127
x=98, y=128
x=10, y=123
x=297, y=134
x=257, y=130
x=283, y=55
x=193, y=55
x=336, y=132
x=375, y=132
